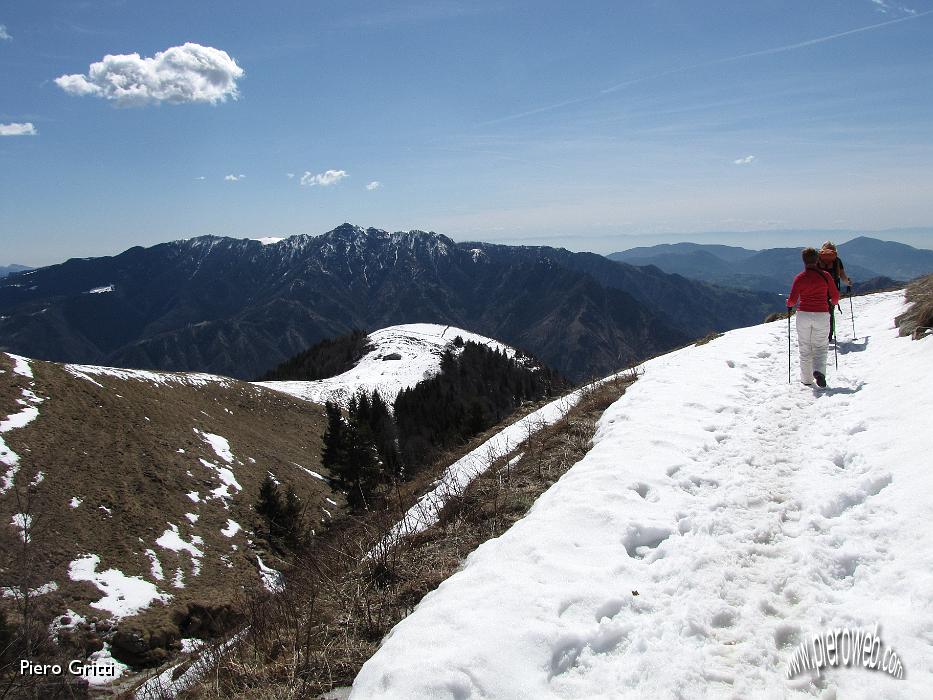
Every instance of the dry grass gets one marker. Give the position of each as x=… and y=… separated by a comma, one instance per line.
x=339, y=603
x=712, y=335
x=917, y=321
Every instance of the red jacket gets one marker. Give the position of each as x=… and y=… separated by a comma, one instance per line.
x=814, y=289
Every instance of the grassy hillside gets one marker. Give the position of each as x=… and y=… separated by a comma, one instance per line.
x=156, y=476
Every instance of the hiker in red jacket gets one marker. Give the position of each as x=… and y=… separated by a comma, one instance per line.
x=815, y=290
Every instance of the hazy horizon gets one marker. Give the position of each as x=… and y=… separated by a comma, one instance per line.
x=918, y=237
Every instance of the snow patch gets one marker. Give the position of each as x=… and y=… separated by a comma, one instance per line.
x=104, y=658
x=458, y=475
x=219, y=444
x=22, y=522
x=66, y=622
x=123, y=595
x=231, y=529
x=271, y=579
x=21, y=365
x=87, y=372
x=155, y=565
x=171, y=539
x=16, y=421
x=100, y=290
x=13, y=592
x=419, y=347
x=310, y=472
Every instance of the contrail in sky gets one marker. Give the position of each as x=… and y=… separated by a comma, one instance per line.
x=706, y=64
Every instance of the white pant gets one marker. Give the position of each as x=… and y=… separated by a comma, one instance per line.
x=812, y=341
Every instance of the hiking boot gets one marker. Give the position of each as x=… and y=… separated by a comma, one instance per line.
x=820, y=379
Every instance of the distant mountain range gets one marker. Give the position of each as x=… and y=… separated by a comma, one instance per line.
x=238, y=307
x=10, y=269
x=871, y=263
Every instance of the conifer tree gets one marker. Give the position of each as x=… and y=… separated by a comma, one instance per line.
x=269, y=507
x=350, y=454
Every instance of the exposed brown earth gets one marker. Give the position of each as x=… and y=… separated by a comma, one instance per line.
x=119, y=457
x=917, y=321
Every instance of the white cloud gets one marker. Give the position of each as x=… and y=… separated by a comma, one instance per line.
x=18, y=129
x=325, y=179
x=188, y=73
x=744, y=161
x=234, y=178
x=200, y=177
x=374, y=185
x=4, y=34
x=290, y=176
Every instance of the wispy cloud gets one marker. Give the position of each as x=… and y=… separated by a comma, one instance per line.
x=18, y=129
x=187, y=73
x=374, y=185
x=325, y=179
x=747, y=160
x=234, y=178
x=886, y=7
x=200, y=177
x=290, y=176
x=4, y=34
x=911, y=15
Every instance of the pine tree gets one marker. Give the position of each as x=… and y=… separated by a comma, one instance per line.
x=334, y=452
x=269, y=507
x=293, y=520
x=350, y=455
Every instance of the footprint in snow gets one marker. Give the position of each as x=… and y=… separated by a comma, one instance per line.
x=859, y=427
x=845, y=500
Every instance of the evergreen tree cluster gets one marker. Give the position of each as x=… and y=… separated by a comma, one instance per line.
x=476, y=388
x=323, y=360
x=282, y=516
x=361, y=448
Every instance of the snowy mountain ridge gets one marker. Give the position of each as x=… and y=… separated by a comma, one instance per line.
x=400, y=357
x=722, y=518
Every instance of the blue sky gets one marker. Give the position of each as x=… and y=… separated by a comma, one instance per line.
x=593, y=125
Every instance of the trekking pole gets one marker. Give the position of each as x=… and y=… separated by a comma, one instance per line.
x=852, y=314
x=835, y=353
x=788, y=346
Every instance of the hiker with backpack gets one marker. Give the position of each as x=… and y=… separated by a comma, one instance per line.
x=814, y=290
x=829, y=261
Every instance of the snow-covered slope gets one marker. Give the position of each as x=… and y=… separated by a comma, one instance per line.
x=401, y=357
x=722, y=517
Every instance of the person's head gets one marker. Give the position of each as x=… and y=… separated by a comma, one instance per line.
x=829, y=245
x=809, y=256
